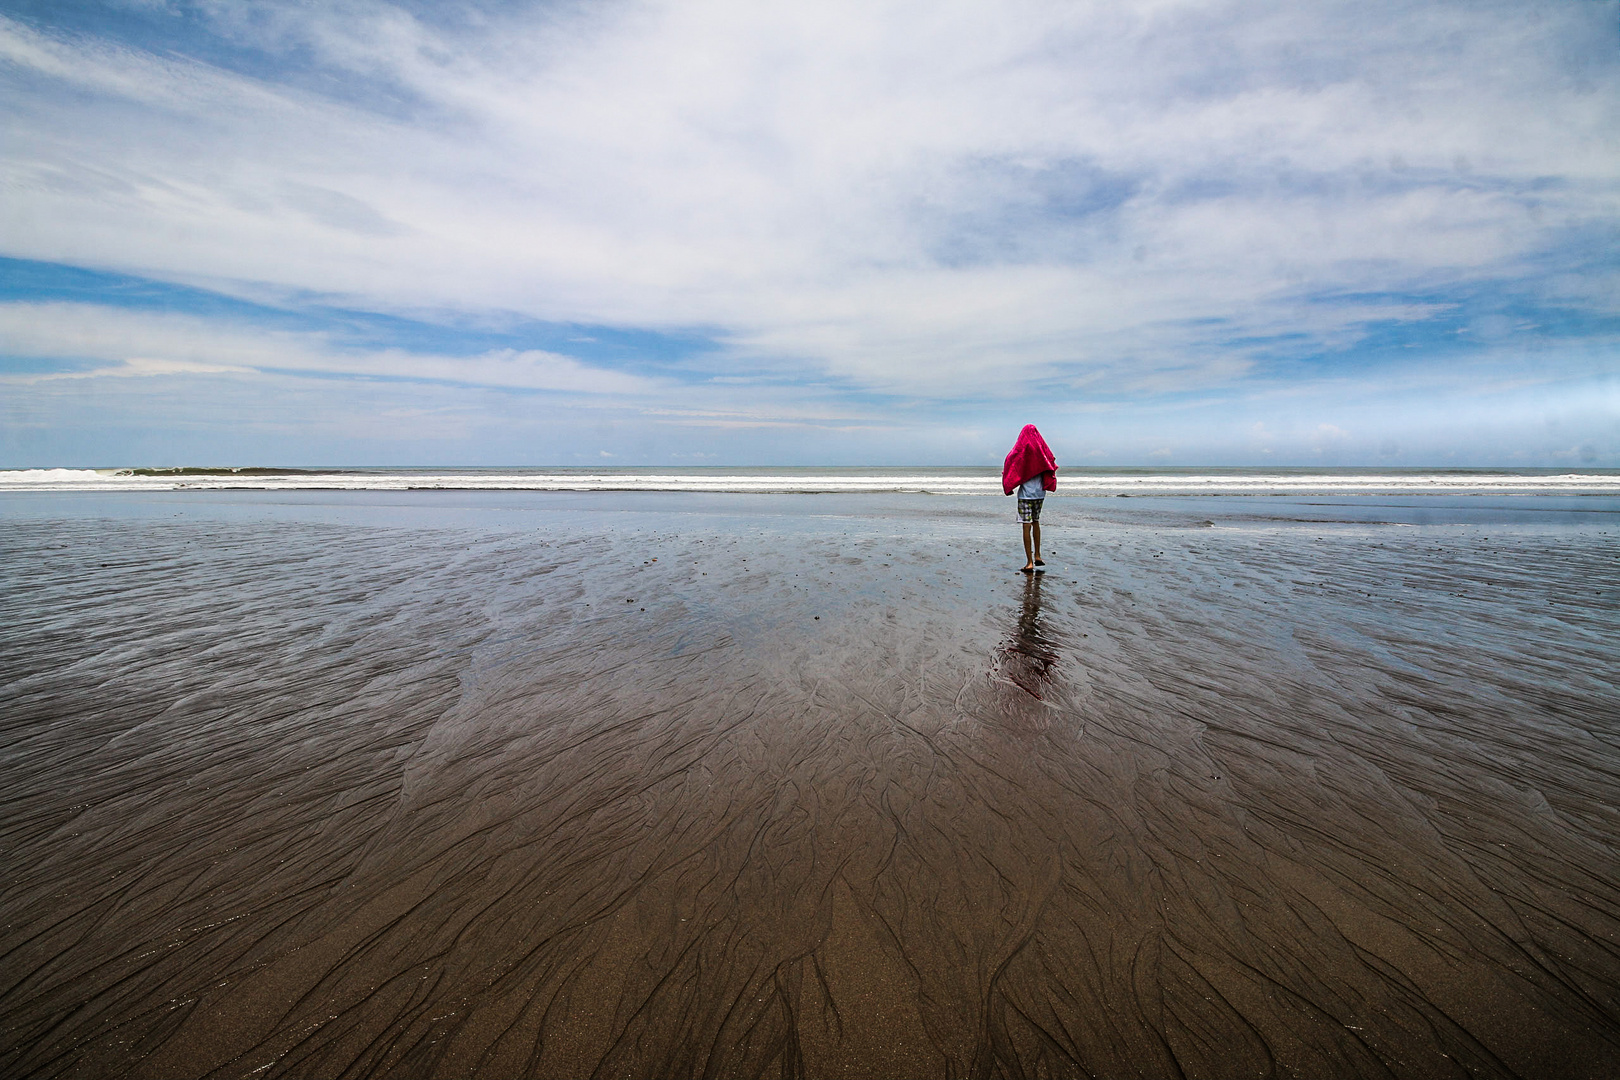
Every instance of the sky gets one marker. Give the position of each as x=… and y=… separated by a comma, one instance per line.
x=843, y=232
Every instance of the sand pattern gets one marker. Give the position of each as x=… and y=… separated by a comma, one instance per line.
x=729, y=798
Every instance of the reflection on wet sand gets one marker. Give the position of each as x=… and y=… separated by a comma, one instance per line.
x=1028, y=656
x=288, y=799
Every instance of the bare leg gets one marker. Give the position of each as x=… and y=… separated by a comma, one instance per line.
x=1035, y=528
x=1029, y=552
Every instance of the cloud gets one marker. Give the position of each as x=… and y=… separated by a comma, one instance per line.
x=892, y=220
x=907, y=197
x=136, y=367
x=144, y=343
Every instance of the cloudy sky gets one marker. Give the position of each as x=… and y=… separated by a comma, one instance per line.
x=829, y=232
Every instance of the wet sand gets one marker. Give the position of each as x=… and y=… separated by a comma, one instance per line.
x=807, y=786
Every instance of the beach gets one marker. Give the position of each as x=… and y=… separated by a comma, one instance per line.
x=656, y=783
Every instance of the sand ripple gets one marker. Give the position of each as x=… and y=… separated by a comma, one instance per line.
x=289, y=799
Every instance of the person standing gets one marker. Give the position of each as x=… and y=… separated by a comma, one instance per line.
x=1031, y=471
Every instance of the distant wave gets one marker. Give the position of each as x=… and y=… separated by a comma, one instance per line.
x=189, y=470
x=935, y=481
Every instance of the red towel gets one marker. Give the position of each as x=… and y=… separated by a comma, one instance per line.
x=1030, y=457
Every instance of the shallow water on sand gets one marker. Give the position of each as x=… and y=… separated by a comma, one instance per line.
x=343, y=789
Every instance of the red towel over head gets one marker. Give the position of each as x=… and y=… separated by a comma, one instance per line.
x=1030, y=457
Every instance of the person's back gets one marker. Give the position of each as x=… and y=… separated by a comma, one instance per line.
x=1031, y=471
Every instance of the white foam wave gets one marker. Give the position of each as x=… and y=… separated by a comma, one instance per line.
x=46, y=479
x=850, y=481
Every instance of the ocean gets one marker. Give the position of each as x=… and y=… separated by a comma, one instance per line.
x=973, y=480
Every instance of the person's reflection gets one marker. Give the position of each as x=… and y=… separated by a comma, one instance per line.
x=1028, y=656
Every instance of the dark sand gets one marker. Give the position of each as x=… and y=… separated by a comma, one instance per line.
x=435, y=786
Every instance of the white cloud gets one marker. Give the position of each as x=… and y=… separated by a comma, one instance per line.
x=143, y=343
x=945, y=200
x=136, y=367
